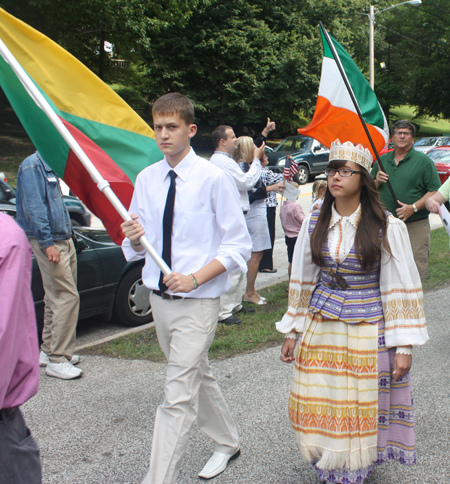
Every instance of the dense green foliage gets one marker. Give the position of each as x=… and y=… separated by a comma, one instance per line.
x=243, y=60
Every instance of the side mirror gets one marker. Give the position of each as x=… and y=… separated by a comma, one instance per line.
x=80, y=245
x=316, y=148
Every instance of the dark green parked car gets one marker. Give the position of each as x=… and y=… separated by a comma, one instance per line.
x=311, y=156
x=108, y=285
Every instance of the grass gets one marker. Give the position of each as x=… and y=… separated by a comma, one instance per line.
x=439, y=263
x=257, y=330
x=428, y=126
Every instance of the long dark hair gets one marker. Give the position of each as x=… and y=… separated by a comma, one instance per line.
x=373, y=220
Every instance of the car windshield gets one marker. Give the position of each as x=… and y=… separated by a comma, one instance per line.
x=426, y=142
x=293, y=144
x=440, y=156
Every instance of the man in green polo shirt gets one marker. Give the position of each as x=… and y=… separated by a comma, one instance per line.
x=414, y=179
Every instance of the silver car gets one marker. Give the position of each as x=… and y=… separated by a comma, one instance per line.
x=427, y=144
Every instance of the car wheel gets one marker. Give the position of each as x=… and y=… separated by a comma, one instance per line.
x=132, y=303
x=302, y=176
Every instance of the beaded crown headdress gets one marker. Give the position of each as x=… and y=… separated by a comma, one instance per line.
x=349, y=152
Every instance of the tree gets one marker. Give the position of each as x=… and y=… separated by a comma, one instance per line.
x=420, y=40
x=82, y=27
x=243, y=60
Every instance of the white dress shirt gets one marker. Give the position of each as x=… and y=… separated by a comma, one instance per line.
x=244, y=181
x=208, y=222
x=341, y=234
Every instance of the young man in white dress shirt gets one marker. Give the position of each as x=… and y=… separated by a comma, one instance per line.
x=209, y=238
x=225, y=143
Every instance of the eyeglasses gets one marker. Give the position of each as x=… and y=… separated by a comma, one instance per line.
x=344, y=172
x=403, y=133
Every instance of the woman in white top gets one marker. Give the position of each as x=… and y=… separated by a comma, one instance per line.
x=256, y=219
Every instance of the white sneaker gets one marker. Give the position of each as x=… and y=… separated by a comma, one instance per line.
x=65, y=371
x=217, y=464
x=44, y=360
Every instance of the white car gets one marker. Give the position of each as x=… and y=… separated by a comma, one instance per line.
x=427, y=144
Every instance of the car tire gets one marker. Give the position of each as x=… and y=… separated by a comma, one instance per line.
x=132, y=303
x=302, y=176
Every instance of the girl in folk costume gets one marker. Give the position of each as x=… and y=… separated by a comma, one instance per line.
x=355, y=300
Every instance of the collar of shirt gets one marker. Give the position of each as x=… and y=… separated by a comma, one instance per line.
x=182, y=169
x=223, y=153
x=391, y=156
x=353, y=218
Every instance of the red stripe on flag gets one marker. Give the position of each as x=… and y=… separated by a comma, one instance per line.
x=81, y=183
x=330, y=122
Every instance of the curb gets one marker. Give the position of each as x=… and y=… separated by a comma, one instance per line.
x=115, y=336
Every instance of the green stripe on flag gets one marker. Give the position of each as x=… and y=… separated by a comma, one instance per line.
x=364, y=94
x=132, y=152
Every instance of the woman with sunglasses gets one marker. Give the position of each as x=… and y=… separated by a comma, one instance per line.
x=356, y=304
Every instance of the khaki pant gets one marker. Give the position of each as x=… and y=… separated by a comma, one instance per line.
x=232, y=299
x=61, y=300
x=185, y=330
x=419, y=235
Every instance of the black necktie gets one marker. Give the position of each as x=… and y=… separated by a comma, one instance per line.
x=167, y=228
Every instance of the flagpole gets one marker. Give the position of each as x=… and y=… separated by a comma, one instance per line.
x=102, y=184
x=355, y=103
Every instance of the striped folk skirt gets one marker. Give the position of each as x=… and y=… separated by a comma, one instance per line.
x=346, y=411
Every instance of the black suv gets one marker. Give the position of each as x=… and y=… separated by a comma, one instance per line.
x=311, y=156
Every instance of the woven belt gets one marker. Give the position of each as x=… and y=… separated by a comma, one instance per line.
x=164, y=295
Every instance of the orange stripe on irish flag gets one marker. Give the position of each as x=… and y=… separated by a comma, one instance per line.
x=335, y=115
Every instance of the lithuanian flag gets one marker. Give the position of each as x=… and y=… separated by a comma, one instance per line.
x=335, y=115
x=117, y=141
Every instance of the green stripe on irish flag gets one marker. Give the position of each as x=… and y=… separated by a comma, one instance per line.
x=117, y=141
x=335, y=115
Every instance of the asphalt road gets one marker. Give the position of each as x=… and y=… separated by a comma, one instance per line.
x=98, y=429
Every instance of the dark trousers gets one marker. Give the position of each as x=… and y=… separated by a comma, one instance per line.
x=267, y=261
x=19, y=453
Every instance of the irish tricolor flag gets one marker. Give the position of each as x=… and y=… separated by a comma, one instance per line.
x=118, y=142
x=335, y=115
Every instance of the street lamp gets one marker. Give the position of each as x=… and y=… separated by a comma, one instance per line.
x=371, y=16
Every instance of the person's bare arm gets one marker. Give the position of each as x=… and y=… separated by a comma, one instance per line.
x=433, y=204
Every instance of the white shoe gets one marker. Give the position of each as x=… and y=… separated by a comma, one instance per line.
x=44, y=360
x=217, y=464
x=65, y=371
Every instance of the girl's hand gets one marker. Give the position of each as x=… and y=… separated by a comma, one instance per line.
x=287, y=350
x=402, y=365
